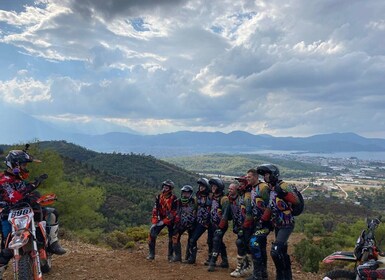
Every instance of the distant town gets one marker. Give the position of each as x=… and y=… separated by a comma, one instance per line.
x=348, y=179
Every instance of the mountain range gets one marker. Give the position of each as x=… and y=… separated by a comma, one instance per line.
x=191, y=143
x=23, y=128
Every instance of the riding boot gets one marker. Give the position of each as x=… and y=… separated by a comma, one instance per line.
x=225, y=260
x=151, y=248
x=248, y=265
x=178, y=253
x=53, y=240
x=193, y=255
x=238, y=272
x=207, y=262
x=213, y=261
x=287, y=271
x=258, y=271
x=170, y=251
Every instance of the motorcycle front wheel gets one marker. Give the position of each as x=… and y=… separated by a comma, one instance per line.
x=25, y=271
x=340, y=275
x=46, y=265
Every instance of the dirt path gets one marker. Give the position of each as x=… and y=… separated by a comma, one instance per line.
x=84, y=261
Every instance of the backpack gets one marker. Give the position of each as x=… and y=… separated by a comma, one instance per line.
x=297, y=209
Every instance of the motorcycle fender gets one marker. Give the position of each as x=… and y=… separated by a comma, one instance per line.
x=43, y=231
x=340, y=256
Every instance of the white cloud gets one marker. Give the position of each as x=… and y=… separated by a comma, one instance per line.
x=299, y=68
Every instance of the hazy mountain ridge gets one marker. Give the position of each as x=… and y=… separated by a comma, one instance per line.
x=23, y=128
x=187, y=143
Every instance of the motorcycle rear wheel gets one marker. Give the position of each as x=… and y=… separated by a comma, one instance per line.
x=25, y=268
x=340, y=275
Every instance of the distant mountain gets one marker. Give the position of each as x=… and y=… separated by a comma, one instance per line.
x=22, y=128
x=192, y=143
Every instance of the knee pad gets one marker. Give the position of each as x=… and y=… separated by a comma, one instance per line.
x=217, y=240
x=257, y=245
x=278, y=254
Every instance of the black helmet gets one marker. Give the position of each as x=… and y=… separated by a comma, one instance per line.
x=219, y=183
x=204, y=182
x=271, y=169
x=15, y=159
x=189, y=189
x=169, y=183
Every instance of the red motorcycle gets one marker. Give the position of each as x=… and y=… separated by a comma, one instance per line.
x=29, y=240
x=368, y=258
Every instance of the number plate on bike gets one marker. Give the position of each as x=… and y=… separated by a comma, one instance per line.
x=20, y=212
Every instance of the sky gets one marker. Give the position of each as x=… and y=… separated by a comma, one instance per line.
x=284, y=68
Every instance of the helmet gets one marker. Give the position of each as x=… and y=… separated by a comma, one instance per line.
x=271, y=169
x=188, y=189
x=14, y=161
x=219, y=183
x=242, y=182
x=204, y=182
x=169, y=183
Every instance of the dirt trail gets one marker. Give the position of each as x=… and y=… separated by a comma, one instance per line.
x=84, y=261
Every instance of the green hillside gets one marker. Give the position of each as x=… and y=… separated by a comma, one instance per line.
x=125, y=184
x=226, y=164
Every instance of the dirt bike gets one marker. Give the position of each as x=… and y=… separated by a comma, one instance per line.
x=29, y=240
x=367, y=257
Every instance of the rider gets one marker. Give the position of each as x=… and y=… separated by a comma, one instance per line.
x=220, y=213
x=13, y=188
x=203, y=201
x=163, y=214
x=184, y=221
x=260, y=194
x=240, y=202
x=282, y=197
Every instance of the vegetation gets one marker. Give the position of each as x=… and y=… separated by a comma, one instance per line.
x=224, y=164
x=107, y=198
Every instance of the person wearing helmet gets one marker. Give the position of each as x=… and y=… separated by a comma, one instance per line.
x=185, y=221
x=219, y=217
x=13, y=188
x=203, y=203
x=260, y=194
x=282, y=197
x=163, y=215
x=240, y=205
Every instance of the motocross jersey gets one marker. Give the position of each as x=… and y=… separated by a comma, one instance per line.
x=12, y=189
x=248, y=210
x=164, y=209
x=220, y=211
x=203, y=209
x=237, y=210
x=279, y=209
x=259, y=199
x=186, y=214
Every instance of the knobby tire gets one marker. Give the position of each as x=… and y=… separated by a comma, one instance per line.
x=341, y=275
x=25, y=268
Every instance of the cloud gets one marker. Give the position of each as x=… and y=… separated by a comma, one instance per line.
x=299, y=68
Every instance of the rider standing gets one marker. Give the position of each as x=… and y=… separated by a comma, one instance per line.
x=243, y=221
x=279, y=211
x=203, y=202
x=163, y=215
x=260, y=194
x=185, y=221
x=220, y=213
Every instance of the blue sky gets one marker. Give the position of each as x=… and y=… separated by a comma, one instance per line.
x=292, y=68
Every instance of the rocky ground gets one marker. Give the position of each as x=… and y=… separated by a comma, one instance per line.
x=84, y=262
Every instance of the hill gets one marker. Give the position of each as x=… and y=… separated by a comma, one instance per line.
x=129, y=181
